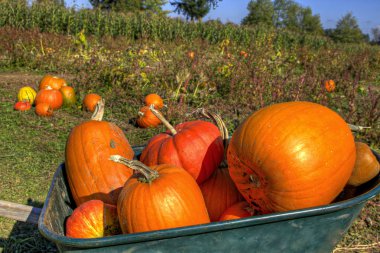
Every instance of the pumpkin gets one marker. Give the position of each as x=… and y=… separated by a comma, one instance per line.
x=290, y=156
x=68, y=95
x=147, y=118
x=44, y=110
x=161, y=197
x=22, y=106
x=191, y=55
x=90, y=173
x=244, y=54
x=93, y=219
x=195, y=146
x=329, y=85
x=90, y=101
x=219, y=191
x=27, y=93
x=366, y=165
x=154, y=99
x=54, y=82
x=237, y=211
x=51, y=97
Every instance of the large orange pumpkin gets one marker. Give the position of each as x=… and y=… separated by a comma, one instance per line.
x=51, y=97
x=90, y=173
x=366, y=165
x=161, y=197
x=290, y=156
x=54, y=82
x=196, y=146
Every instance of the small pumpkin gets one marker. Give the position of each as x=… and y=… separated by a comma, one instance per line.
x=196, y=146
x=237, y=211
x=161, y=197
x=90, y=101
x=54, y=82
x=154, y=99
x=191, y=55
x=44, y=110
x=50, y=96
x=27, y=93
x=90, y=173
x=68, y=95
x=22, y=106
x=330, y=85
x=290, y=156
x=366, y=165
x=146, y=118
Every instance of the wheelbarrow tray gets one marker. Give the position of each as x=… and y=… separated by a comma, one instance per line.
x=316, y=229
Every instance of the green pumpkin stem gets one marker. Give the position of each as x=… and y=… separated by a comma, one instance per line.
x=148, y=174
x=99, y=111
x=163, y=120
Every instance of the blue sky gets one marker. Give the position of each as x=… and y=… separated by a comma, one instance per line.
x=330, y=11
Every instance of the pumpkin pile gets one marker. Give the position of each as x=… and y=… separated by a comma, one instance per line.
x=53, y=93
x=283, y=157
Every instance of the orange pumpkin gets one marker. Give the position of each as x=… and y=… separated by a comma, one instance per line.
x=44, y=110
x=219, y=191
x=54, y=82
x=147, y=118
x=366, y=165
x=161, y=197
x=90, y=173
x=196, y=146
x=290, y=156
x=90, y=101
x=154, y=99
x=50, y=96
x=22, y=106
x=329, y=85
x=237, y=211
x=68, y=94
x=191, y=55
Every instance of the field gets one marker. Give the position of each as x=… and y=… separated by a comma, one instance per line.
x=233, y=77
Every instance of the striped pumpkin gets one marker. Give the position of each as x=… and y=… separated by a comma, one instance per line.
x=27, y=93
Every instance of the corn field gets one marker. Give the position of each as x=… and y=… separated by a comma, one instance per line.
x=68, y=21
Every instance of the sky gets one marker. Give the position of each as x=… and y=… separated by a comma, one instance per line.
x=330, y=11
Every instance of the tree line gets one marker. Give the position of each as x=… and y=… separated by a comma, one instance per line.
x=279, y=14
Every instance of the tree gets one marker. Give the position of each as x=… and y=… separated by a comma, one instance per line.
x=310, y=23
x=347, y=30
x=129, y=5
x=56, y=2
x=194, y=9
x=260, y=12
x=376, y=34
x=283, y=14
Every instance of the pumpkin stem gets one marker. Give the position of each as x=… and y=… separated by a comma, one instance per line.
x=162, y=119
x=357, y=128
x=99, y=111
x=219, y=123
x=148, y=174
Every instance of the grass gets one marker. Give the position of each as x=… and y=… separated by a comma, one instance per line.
x=33, y=147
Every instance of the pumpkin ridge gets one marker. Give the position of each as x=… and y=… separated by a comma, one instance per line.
x=176, y=148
